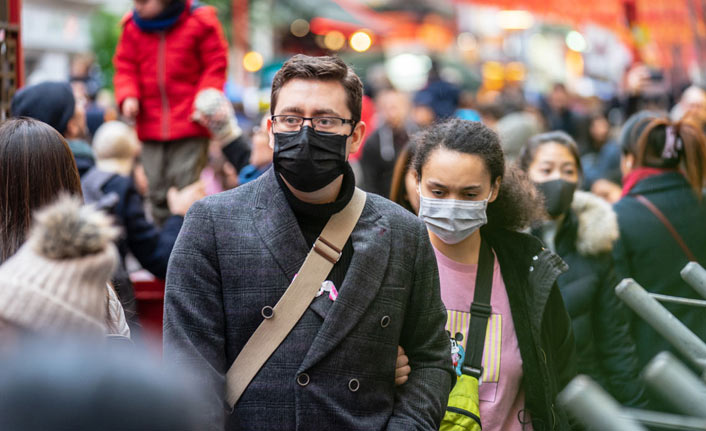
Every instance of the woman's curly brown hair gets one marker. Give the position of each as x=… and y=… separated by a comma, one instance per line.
x=518, y=202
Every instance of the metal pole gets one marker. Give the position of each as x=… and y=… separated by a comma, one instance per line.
x=594, y=408
x=679, y=300
x=669, y=421
x=695, y=275
x=663, y=321
x=676, y=385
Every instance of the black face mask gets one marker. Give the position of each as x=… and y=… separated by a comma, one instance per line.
x=308, y=160
x=558, y=195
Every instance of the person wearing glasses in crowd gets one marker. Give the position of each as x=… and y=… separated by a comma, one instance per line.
x=238, y=252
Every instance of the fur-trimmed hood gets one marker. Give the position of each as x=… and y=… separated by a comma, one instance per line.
x=597, y=224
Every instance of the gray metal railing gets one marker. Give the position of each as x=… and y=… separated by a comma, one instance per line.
x=676, y=385
x=588, y=402
x=670, y=379
x=664, y=322
x=695, y=275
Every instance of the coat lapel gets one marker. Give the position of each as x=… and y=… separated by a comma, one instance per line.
x=277, y=226
x=371, y=249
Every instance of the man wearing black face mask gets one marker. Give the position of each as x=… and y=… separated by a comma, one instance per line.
x=239, y=251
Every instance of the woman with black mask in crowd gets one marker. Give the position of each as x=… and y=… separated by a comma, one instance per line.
x=581, y=228
x=661, y=216
x=473, y=208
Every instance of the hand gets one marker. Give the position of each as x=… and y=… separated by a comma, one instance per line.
x=213, y=110
x=179, y=201
x=131, y=107
x=607, y=190
x=402, y=368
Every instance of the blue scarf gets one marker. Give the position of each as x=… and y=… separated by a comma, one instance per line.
x=167, y=18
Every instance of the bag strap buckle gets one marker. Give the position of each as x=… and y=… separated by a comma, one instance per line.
x=327, y=250
x=472, y=371
x=481, y=310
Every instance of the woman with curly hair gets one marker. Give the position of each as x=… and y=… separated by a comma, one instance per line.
x=473, y=207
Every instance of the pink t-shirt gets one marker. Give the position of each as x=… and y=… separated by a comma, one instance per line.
x=501, y=394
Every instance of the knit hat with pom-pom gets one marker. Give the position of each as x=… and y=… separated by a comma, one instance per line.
x=56, y=282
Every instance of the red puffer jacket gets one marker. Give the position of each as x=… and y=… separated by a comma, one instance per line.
x=165, y=70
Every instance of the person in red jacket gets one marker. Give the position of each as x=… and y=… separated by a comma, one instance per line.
x=169, y=51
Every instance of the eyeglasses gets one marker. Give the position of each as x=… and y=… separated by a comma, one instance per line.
x=294, y=123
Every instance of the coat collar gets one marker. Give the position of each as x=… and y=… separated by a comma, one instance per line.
x=591, y=225
x=666, y=181
x=277, y=227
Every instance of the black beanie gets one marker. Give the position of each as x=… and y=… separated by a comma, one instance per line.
x=50, y=102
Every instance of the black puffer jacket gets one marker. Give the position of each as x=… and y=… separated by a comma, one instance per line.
x=541, y=322
x=605, y=348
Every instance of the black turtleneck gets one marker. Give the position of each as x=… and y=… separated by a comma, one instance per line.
x=312, y=218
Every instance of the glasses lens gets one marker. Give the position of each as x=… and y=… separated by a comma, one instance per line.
x=288, y=123
x=327, y=124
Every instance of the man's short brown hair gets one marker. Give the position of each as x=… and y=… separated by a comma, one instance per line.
x=321, y=69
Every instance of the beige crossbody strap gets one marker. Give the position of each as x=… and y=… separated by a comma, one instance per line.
x=280, y=320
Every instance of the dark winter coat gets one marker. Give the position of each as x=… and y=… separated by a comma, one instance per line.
x=379, y=155
x=239, y=250
x=647, y=252
x=541, y=322
x=150, y=245
x=604, y=345
x=165, y=70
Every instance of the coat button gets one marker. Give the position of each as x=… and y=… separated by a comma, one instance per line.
x=531, y=268
x=385, y=321
x=268, y=312
x=354, y=385
x=535, y=257
x=303, y=379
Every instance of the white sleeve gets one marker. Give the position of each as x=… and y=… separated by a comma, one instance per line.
x=115, y=319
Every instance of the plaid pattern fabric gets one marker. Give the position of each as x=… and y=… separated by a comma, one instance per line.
x=238, y=251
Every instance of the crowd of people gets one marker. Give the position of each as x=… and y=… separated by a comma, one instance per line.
x=454, y=265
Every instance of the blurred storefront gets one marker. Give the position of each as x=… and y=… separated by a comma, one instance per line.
x=56, y=30
x=487, y=43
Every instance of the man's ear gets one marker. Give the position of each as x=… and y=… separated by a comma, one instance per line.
x=496, y=189
x=356, y=139
x=271, y=134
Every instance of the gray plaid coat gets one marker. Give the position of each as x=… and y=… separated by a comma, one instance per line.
x=238, y=251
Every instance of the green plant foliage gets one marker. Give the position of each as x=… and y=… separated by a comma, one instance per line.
x=105, y=32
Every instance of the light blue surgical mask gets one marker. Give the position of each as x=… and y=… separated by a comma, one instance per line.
x=453, y=220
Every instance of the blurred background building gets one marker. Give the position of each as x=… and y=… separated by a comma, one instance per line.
x=484, y=46
x=55, y=31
